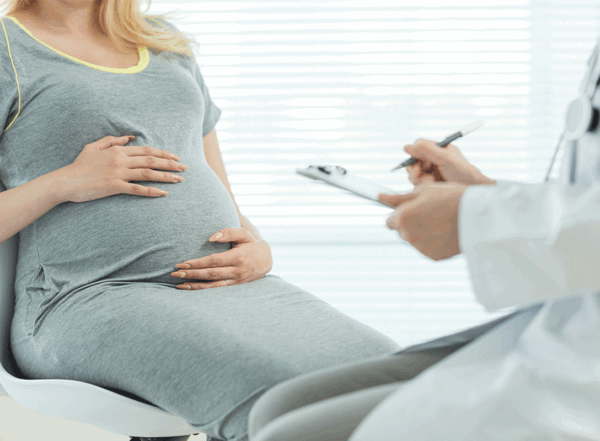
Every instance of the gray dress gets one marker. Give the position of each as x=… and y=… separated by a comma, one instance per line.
x=95, y=300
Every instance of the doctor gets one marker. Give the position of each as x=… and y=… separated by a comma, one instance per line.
x=531, y=375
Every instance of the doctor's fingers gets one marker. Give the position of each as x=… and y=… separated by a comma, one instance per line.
x=427, y=151
x=420, y=172
x=410, y=219
x=414, y=172
x=406, y=211
x=395, y=200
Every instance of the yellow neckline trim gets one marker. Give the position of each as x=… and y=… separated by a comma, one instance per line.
x=142, y=51
x=16, y=76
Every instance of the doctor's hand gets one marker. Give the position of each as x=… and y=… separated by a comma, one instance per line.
x=248, y=259
x=427, y=217
x=441, y=164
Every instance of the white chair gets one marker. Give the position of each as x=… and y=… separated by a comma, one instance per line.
x=115, y=411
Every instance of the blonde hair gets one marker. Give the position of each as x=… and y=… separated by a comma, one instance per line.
x=126, y=25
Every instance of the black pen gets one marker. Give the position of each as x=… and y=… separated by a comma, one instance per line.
x=462, y=132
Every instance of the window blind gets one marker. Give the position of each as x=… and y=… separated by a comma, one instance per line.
x=350, y=83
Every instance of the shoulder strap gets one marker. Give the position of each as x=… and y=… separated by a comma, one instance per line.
x=15, y=70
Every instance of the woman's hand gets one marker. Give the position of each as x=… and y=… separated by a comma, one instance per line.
x=248, y=259
x=441, y=164
x=427, y=218
x=106, y=167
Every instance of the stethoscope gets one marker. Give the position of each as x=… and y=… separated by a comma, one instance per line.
x=581, y=115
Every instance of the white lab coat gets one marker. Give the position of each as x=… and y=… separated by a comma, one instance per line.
x=536, y=377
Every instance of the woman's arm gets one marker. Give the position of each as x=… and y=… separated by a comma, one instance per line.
x=215, y=161
x=24, y=204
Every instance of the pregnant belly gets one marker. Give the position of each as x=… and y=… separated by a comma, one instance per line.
x=136, y=238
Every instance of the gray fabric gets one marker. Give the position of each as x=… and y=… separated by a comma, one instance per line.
x=331, y=420
x=328, y=404
x=292, y=403
x=66, y=105
x=204, y=355
x=95, y=301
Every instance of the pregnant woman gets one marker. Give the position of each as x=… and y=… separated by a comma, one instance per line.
x=100, y=283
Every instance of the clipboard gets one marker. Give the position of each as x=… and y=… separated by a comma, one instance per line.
x=341, y=178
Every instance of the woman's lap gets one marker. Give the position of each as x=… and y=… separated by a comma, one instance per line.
x=204, y=355
x=328, y=404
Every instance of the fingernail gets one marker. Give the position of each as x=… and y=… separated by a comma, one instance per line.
x=186, y=287
x=183, y=265
x=217, y=236
x=175, y=157
x=131, y=137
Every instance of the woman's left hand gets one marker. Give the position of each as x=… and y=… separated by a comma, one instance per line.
x=248, y=259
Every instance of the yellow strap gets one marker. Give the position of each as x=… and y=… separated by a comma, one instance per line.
x=16, y=76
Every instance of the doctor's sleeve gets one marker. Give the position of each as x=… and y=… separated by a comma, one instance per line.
x=528, y=243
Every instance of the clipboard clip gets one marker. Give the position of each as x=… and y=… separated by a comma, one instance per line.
x=328, y=169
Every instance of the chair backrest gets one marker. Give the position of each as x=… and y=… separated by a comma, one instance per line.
x=8, y=262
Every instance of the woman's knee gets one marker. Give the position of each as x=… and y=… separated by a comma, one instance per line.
x=272, y=404
x=315, y=386
x=287, y=396
x=326, y=383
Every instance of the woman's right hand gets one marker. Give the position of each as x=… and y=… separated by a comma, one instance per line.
x=437, y=164
x=105, y=167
